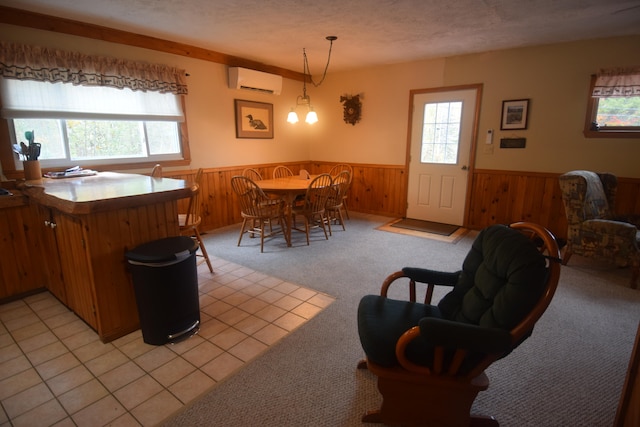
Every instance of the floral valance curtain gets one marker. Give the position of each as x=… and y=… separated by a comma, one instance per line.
x=24, y=62
x=617, y=82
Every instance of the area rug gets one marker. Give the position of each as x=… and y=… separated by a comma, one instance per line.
x=425, y=229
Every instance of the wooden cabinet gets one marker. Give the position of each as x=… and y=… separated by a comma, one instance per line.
x=21, y=250
x=82, y=239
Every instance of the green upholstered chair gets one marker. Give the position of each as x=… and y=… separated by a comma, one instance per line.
x=594, y=229
x=430, y=359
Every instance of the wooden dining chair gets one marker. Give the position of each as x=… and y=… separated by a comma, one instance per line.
x=252, y=174
x=335, y=170
x=335, y=202
x=191, y=219
x=257, y=210
x=282, y=172
x=314, y=205
x=156, y=172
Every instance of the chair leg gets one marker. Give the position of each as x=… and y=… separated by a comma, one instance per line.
x=244, y=223
x=346, y=210
x=203, y=249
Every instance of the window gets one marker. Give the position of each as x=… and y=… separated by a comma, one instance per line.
x=441, y=132
x=613, y=109
x=92, y=111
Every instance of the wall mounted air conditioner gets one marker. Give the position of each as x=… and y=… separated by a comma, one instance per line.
x=244, y=78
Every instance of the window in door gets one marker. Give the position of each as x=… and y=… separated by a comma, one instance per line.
x=441, y=132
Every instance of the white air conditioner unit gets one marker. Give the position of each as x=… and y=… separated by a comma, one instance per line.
x=244, y=78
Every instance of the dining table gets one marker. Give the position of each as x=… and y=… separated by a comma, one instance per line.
x=287, y=189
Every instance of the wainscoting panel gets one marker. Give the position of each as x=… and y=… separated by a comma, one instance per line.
x=496, y=196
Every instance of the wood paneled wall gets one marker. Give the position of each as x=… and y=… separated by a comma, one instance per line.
x=496, y=196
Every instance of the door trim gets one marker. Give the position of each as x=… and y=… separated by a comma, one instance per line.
x=474, y=141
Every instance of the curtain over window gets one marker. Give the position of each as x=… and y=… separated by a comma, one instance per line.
x=24, y=62
x=44, y=83
x=617, y=82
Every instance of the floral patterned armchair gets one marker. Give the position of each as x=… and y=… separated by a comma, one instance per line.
x=594, y=230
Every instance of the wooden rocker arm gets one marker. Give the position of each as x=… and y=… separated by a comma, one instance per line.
x=420, y=275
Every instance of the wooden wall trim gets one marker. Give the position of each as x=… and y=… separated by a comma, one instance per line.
x=41, y=21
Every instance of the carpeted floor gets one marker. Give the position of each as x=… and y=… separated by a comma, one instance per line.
x=568, y=373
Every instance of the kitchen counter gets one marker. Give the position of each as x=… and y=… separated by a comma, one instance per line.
x=104, y=191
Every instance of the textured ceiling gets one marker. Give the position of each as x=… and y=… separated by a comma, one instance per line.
x=370, y=32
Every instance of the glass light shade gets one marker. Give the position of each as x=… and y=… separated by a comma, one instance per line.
x=312, y=117
x=292, y=117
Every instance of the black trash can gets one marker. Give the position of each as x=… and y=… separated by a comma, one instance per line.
x=165, y=281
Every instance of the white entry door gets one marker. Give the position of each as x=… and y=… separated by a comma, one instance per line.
x=442, y=131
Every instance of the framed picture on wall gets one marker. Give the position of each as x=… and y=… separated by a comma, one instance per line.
x=515, y=113
x=254, y=119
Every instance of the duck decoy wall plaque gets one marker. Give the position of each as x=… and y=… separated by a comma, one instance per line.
x=254, y=119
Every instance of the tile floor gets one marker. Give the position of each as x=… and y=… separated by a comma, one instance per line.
x=54, y=371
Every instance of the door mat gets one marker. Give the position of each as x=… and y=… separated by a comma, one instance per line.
x=426, y=226
x=453, y=236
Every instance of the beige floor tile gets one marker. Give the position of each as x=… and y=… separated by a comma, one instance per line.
x=270, y=313
x=173, y=371
x=192, y=386
x=26, y=400
x=62, y=319
x=48, y=352
x=69, y=380
x=51, y=311
x=18, y=383
x=136, y=348
x=126, y=420
x=185, y=345
x=41, y=340
x=222, y=366
x=99, y=413
x=211, y=328
x=303, y=293
x=13, y=366
x=228, y=338
x=138, y=391
x=270, y=296
x=155, y=358
x=10, y=352
x=306, y=310
x=83, y=396
x=81, y=339
x=22, y=321
x=111, y=387
x=60, y=364
x=29, y=331
x=92, y=350
x=106, y=362
x=157, y=408
x=289, y=321
x=121, y=376
x=248, y=349
x=14, y=310
x=270, y=334
x=5, y=339
x=233, y=316
x=287, y=302
x=253, y=305
x=251, y=324
x=50, y=411
x=287, y=287
x=321, y=300
x=70, y=328
x=202, y=354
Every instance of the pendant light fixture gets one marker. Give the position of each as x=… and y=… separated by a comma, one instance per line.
x=305, y=100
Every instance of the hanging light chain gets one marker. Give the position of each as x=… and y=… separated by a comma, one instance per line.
x=306, y=63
